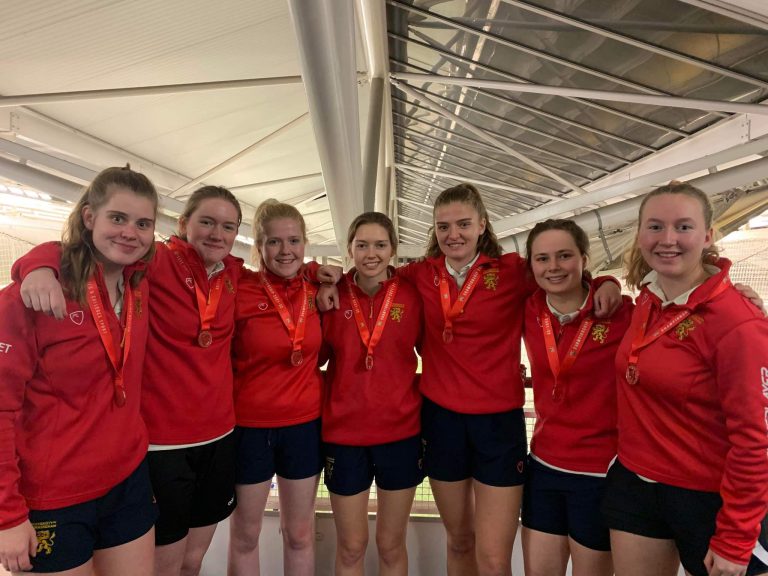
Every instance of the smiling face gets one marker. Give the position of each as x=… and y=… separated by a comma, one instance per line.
x=211, y=229
x=458, y=228
x=123, y=228
x=672, y=237
x=371, y=250
x=557, y=263
x=282, y=248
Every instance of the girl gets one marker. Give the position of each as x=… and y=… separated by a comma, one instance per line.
x=187, y=387
x=278, y=390
x=574, y=440
x=473, y=429
x=74, y=489
x=691, y=478
x=371, y=411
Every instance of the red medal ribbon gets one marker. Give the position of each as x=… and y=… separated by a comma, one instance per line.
x=207, y=305
x=116, y=358
x=451, y=312
x=640, y=340
x=295, y=330
x=371, y=340
x=558, y=369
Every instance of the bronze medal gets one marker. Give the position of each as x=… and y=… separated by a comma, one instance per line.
x=633, y=374
x=120, y=396
x=297, y=358
x=447, y=335
x=369, y=362
x=204, y=339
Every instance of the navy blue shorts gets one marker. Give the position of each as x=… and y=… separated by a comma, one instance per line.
x=67, y=537
x=565, y=504
x=291, y=452
x=491, y=448
x=350, y=470
x=657, y=510
x=194, y=487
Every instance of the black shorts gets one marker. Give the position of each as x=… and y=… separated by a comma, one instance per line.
x=657, y=510
x=194, y=487
x=291, y=452
x=67, y=537
x=566, y=504
x=350, y=470
x=491, y=448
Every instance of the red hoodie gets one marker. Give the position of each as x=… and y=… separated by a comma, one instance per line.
x=368, y=407
x=578, y=433
x=697, y=416
x=187, y=394
x=269, y=390
x=63, y=438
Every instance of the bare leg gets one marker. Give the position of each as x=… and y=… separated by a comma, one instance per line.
x=198, y=541
x=635, y=555
x=297, y=521
x=456, y=504
x=245, y=528
x=497, y=513
x=134, y=558
x=394, y=509
x=588, y=562
x=350, y=514
x=544, y=554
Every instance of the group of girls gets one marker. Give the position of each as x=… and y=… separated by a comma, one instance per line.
x=690, y=484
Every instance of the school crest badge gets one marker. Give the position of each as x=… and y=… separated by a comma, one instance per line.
x=228, y=284
x=396, y=312
x=491, y=278
x=45, y=537
x=683, y=330
x=600, y=333
x=137, y=300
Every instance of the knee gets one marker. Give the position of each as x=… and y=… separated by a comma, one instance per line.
x=244, y=536
x=391, y=548
x=494, y=565
x=299, y=536
x=461, y=543
x=352, y=550
x=192, y=564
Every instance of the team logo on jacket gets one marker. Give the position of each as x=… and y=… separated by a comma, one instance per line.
x=491, y=278
x=599, y=333
x=229, y=286
x=687, y=326
x=45, y=536
x=311, y=301
x=347, y=314
x=190, y=282
x=263, y=306
x=77, y=317
x=396, y=312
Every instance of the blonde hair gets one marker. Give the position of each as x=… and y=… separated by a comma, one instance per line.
x=78, y=254
x=267, y=211
x=488, y=244
x=636, y=266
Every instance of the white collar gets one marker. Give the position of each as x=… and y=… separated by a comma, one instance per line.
x=218, y=267
x=464, y=269
x=652, y=281
x=571, y=316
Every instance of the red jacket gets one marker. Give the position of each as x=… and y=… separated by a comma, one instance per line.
x=269, y=390
x=63, y=439
x=478, y=372
x=579, y=432
x=187, y=394
x=367, y=407
x=697, y=417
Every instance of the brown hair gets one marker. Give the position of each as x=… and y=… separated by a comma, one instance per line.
x=270, y=210
x=488, y=244
x=204, y=193
x=637, y=267
x=78, y=260
x=373, y=218
x=580, y=237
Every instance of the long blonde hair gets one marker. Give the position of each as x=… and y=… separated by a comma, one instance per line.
x=636, y=266
x=267, y=211
x=78, y=260
x=488, y=244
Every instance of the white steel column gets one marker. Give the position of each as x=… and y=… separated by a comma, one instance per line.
x=325, y=30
